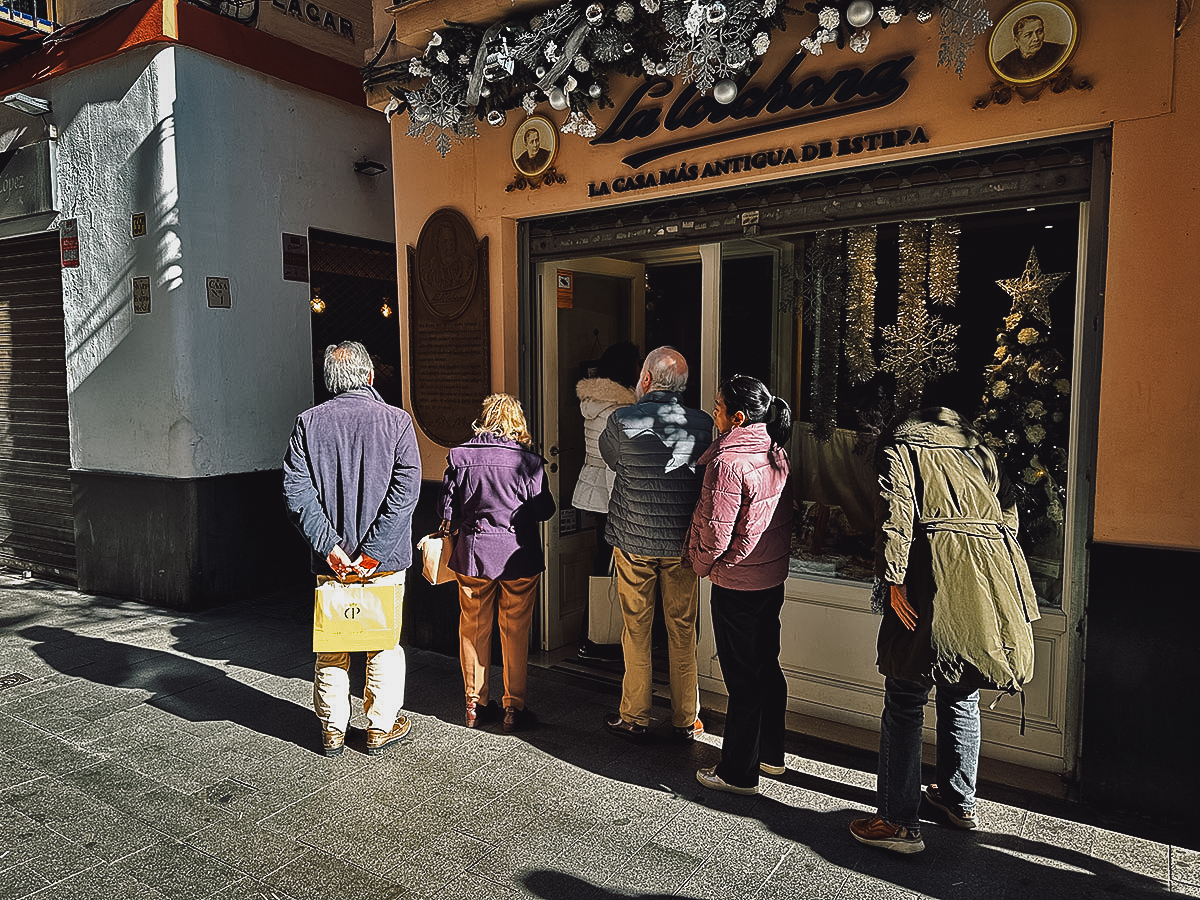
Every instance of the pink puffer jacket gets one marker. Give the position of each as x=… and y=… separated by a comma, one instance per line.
x=742, y=527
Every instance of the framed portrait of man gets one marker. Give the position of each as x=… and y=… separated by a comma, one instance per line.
x=534, y=146
x=1033, y=41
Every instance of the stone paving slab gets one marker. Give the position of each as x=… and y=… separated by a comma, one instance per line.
x=147, y=754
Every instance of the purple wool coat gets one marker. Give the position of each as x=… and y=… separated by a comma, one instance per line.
x=741, y=530
x=494, y=493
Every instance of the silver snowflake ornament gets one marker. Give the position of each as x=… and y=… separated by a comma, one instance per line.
x=437, y=116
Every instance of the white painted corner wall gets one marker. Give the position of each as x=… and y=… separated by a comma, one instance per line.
x=222, y=160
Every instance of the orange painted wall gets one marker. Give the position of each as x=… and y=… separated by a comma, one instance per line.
x=1147, y=491
x=1145, y=86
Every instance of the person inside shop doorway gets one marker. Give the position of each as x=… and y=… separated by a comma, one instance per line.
x=612, y=388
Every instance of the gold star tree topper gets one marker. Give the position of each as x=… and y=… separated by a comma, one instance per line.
x=1032, y=290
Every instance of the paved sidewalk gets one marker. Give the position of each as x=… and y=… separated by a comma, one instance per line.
x=146, y=754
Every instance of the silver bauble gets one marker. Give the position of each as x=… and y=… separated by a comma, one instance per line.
x=860, y=12
x=660, y=69
x=594, y=14
x=627, y=49
x=496, y=118
x=594, y=91
x=725, y=91
x=539, y=71
x=715, y=14
x=558, y=99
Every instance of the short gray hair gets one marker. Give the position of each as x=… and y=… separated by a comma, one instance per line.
x=348, y=366
x=667, y=368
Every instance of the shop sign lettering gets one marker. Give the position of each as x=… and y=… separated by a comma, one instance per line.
x=309, y=12
x=763, y=159
x=757, y=109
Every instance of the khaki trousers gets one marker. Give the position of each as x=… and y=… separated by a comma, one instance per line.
x=638, y=580
x=478, y=599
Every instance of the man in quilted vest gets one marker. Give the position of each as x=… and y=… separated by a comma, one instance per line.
x=653, y=447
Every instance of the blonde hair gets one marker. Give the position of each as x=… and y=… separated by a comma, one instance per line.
x=502, y=416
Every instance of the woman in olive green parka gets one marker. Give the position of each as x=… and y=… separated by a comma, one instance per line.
x=957, y=614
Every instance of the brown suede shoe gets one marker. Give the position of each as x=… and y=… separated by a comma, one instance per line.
x=378, y=740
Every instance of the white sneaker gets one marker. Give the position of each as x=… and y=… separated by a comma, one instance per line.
x=711, y=780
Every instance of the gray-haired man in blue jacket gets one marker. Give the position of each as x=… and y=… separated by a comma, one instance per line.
x=351, y=477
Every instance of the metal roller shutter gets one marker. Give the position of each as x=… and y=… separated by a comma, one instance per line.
x=37, y=530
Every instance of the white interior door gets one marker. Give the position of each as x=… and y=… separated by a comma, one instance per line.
x=587, y=304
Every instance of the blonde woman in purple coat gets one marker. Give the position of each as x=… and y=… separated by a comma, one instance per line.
x=494, y=495
x=740, y=540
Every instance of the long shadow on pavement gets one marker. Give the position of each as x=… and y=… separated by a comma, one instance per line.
x=177, y=685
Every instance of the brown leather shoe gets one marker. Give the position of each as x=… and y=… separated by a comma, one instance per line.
x=689, y=732
x=333, y=742
x=481, y=713
x=618, y=726
x=378, y=740
x=518, y=719
x=878, y=832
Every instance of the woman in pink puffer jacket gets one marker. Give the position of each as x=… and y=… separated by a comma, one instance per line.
x=740, y=539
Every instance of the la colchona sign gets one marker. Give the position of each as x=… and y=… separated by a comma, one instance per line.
x=757, y=110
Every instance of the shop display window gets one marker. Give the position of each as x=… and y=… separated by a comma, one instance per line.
x=852, y=324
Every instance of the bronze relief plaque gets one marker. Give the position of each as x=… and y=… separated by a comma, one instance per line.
x=449, y=330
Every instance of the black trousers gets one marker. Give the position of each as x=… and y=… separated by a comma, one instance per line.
x=746, y=629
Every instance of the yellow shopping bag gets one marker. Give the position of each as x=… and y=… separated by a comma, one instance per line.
x=357, y=615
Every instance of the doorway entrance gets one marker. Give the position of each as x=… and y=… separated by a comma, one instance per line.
x=587, y=305
x=353, y=283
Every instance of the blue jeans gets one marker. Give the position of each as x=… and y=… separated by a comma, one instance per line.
x=900, y=748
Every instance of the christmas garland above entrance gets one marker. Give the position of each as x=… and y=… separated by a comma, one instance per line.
x=565, y=55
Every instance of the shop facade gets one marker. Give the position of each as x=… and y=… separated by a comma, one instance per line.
x=850, y=227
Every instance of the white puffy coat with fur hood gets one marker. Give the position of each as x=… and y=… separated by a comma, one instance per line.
x=598, y=397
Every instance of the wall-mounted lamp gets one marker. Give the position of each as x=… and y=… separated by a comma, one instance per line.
x=316, y=303
x=385, y=310
x=31, y=106
x=369, y=167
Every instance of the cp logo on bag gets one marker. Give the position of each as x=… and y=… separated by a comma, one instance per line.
x=352, y=610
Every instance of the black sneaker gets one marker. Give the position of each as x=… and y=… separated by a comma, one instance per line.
x=965, y=819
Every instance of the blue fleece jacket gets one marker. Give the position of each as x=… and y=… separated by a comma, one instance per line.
x=351, y=476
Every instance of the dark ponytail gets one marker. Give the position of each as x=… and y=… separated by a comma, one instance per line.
x=750, y=397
